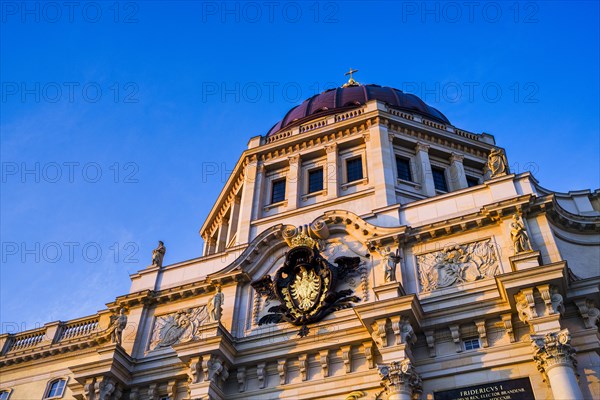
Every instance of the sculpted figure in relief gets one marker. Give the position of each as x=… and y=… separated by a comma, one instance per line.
x=180, y=326
x=519, y=236
x=390, y=261
x=215, y=305
x=158, y=254
x=457, y=264
x=118, y=324
x=497, y=163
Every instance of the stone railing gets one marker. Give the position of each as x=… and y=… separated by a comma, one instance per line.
x=434, y=124
x=466, y=134
x=348, y=115
x=313, y=125
x=79, y=329
x=52, y=334
x=279, y=136
x=401, y=114
x=26, y=340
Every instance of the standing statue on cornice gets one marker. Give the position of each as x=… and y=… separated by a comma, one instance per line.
x=158, y=254
x=390, y=260
x=118, y=324
x=519, y=236
x=497, y=163
x=215, y=306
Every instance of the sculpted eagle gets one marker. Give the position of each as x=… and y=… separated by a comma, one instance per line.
x=305, y=288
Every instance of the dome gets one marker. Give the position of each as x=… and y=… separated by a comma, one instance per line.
x=344, y=98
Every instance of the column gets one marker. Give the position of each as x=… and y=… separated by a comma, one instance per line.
x=400, y=380
x=556, y=360
x=380, y=167
x=424, y=166
x=222, y=235
x=293, y=182
x=331, y=171
x=233, y=219
x=252, y=180
x=398, y=376
x=458, y=179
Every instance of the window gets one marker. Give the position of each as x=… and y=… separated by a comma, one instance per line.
x=471, y=344
x=278, y=191
x=472, y=181
x=56, y=389
x=315, y=180
x=439, y=179
x=403, y=168
x=354, y=170
x=4, y=394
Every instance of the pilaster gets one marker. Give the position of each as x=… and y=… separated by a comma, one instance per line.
x=332, y=173
x=424, y=166
x=380, y=167
x=458, y=179
x=293, y=182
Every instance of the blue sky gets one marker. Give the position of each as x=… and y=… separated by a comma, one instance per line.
x=120, y=121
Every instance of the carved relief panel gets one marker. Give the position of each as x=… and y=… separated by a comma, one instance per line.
x=457, y=264
x=177, y=327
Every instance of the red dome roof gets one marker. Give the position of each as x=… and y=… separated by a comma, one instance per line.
x=338, y=99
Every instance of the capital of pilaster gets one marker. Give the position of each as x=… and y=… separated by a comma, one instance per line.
x=422, y=147
x=455, y=157
x=400, y=377
x=294, y=159
x=330, y=148
x=553, y=349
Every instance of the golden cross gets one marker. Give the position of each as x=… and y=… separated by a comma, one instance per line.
x=351, y=72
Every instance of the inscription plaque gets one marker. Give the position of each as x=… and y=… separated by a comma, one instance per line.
x=514, y=389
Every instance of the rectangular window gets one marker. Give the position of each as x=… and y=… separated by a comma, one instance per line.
x=403, y=168
x=471, y=344
x=439, y=179
x=315, y=180
x=471, y=181
x=278, y=191
x=354, y=170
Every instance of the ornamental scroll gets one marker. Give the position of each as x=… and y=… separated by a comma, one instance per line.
x=457, y=264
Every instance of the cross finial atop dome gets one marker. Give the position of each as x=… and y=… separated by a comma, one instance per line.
x=351, y=81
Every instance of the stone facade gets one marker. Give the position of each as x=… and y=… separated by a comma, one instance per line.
x=373, y=284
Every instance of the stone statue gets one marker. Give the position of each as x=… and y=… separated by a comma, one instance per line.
x=158, y=254
x=390, y=260
x=497, y=163
x=215, y=306
x=118, y=324
x=519, y=236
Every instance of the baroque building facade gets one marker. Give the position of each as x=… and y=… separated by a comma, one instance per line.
x=364, y=248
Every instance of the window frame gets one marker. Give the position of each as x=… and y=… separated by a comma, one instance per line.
x=467, y=343
x=272, y=190
x=349, y=159
x=8, y=391
x=408, y=160
x=472, y=179
x=314, y=169
x=443, y=170
x=49, y=388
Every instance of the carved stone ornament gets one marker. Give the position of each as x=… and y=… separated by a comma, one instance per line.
x=158, y=254
x=519, y=236
x=306, y=288
x=400, y=377
x=457, y=264
x=553, y=349
x=177, y=327
x=497, y=164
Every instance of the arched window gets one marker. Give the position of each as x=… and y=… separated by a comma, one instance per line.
x=56, y=389
x=5, y=394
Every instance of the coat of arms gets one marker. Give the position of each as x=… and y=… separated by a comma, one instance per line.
x=305, y=287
